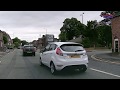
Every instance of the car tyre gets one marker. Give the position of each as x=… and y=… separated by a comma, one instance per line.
x=23, y=53
x=53, y=69
x=34, y=53
x=40, y=61
x=83, y=69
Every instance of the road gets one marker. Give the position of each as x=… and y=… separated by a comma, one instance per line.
x=15, y=66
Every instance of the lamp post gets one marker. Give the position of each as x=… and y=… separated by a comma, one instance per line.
x=82, y=17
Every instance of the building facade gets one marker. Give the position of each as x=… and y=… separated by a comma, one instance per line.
x=1, y=39
x=115, y=24
x=9, y=40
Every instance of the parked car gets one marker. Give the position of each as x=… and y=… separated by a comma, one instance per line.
x=28, y=49
x=64, y=55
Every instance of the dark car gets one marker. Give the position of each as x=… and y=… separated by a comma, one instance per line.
x=29, y=49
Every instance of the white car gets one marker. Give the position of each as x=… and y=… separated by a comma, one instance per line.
x=64, y=55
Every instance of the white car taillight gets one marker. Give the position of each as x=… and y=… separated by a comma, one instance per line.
x=59, y=52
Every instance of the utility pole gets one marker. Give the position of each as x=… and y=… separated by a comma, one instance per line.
x=82, y=17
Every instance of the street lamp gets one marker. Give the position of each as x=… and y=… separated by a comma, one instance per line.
x=82, y=17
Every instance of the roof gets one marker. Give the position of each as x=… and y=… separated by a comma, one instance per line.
x=60, y=43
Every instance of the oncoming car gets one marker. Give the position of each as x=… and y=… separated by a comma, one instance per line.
x=64, y=55
x=29, y=49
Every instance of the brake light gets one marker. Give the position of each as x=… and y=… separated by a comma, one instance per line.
x=59, y=52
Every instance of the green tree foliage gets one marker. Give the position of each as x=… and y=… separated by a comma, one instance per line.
x=71, y=28
x=91, y=32
x=86, y=42
x=94, y=34
x=16, y=42
x=16, y=39
x=5, y=39
x=104, y=35
x=23, y=42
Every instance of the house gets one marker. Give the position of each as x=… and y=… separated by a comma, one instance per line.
x=77, y=40
x=9, y=43
x=42, y=42
x=115, y=25
x=1, y=39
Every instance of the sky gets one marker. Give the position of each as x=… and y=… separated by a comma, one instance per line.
x=31, y=25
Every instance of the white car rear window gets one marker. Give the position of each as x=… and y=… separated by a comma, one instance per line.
x=72, y=47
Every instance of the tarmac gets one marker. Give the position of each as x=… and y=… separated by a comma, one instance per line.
x=106, y=56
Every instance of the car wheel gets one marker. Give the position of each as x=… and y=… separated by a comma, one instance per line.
x=34, y=53
x=40, y=61
x=83, y=69
x=23, y=53
x=52, y=68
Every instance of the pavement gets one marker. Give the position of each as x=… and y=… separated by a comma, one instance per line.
x=4, y=53
x=107, y=57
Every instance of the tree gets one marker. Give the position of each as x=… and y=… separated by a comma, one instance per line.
x=91, y=32
x=108, y=15
x=104, y=35
x=23, y=42
x=71, y=28
x=16, y=42
x=16, y=39
x=5, y=39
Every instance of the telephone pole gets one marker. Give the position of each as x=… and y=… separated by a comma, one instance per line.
x=82, y=17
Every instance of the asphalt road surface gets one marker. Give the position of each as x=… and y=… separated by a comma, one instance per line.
x=15, y=66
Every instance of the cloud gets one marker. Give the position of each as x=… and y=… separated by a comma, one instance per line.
x=31, y=24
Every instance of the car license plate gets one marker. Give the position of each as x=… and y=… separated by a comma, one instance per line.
x=75, y=56
x=29, y=52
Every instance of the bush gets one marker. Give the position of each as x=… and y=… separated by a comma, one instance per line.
x=86, y=42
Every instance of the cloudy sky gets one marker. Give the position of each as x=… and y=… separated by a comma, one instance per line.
x=31, y=25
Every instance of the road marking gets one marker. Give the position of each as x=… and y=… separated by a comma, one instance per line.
x=103, y=60
x=104, y=72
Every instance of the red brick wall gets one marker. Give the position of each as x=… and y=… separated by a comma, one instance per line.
x=115, y=29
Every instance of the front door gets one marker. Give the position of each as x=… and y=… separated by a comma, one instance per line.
x=116, y=45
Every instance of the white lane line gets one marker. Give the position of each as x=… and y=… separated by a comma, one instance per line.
x=104, y=72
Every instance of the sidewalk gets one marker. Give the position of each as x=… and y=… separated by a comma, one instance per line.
x=4, y=53
x=108, y=57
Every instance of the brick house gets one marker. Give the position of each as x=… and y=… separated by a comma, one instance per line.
x=115, y=24
x=1, y=39
x=40, y=43
x=10, y=41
